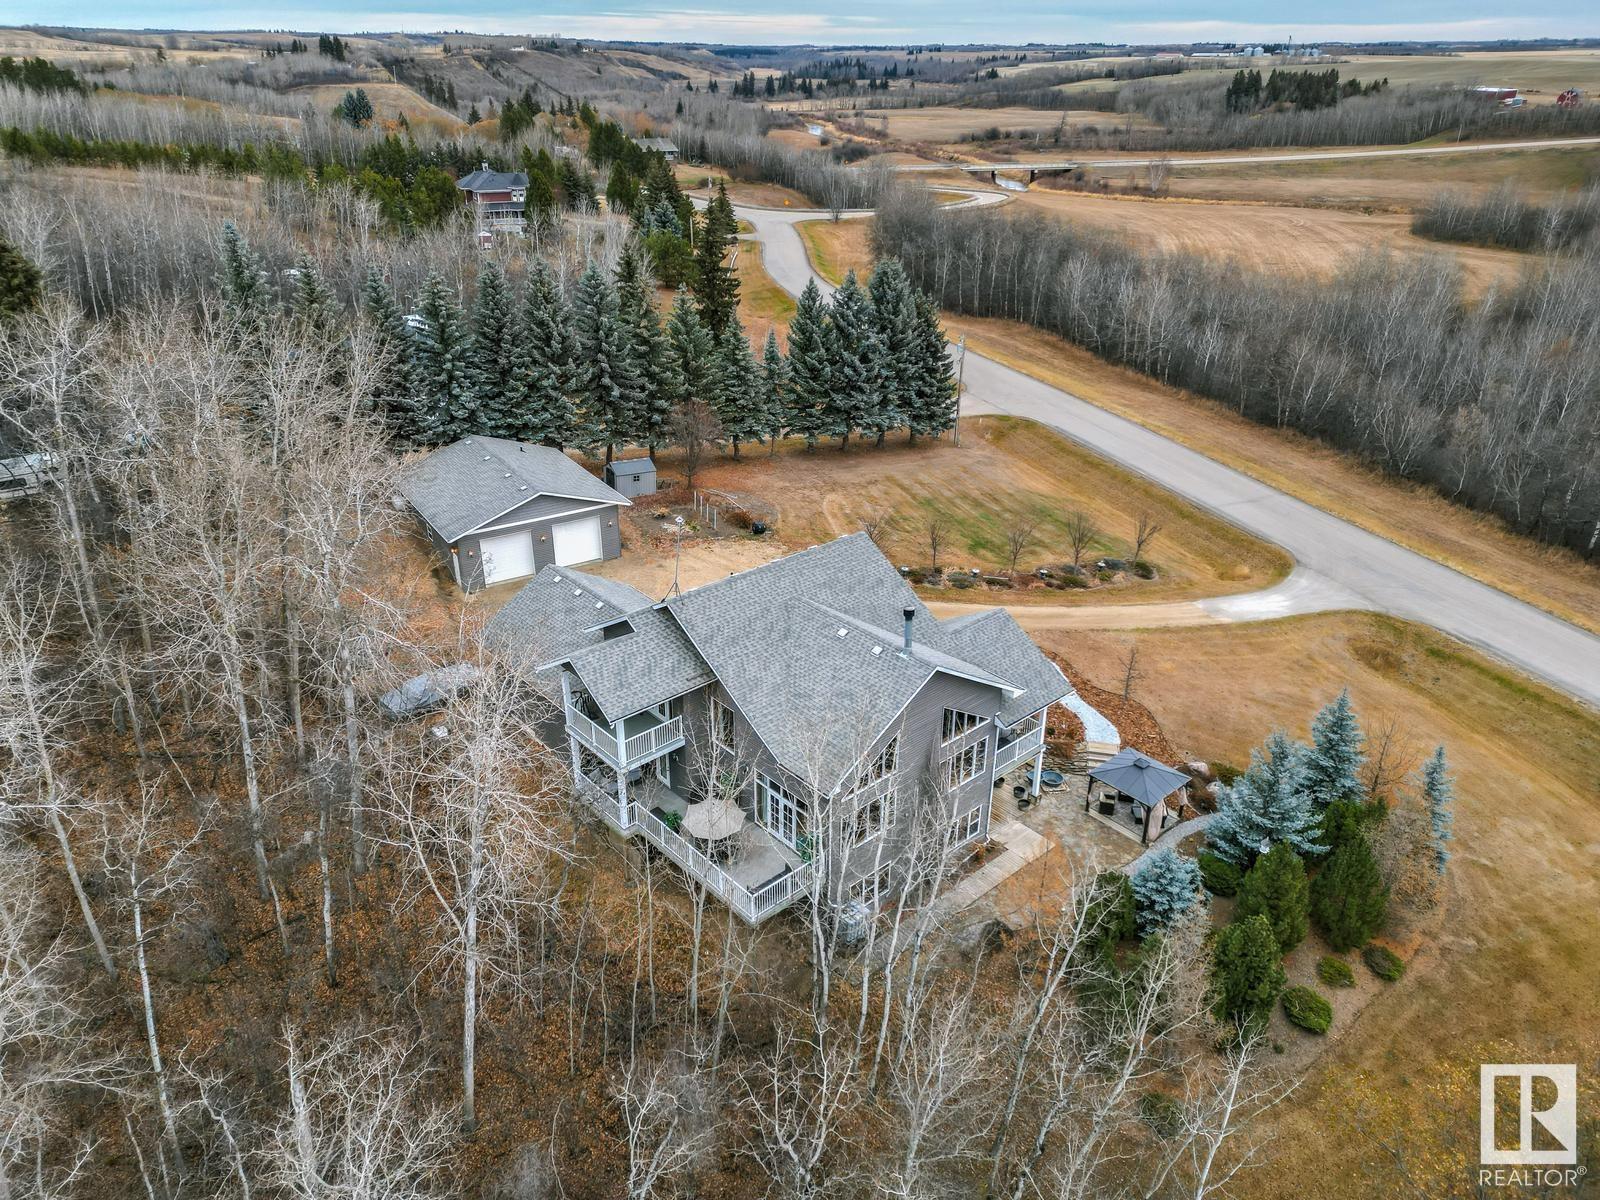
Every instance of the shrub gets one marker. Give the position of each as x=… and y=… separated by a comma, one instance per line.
x=1348, y=898
x=1105, y=576
x=1074, y=581
x=1225, y=773
x=1221, y=877
x=997, y=581
x=1161, y=1112
x=1144, y=570
x=1307, y=1009
x=1276, y=889
x=1383, y=963
x=961, y=582
x=1246, y=973
x=1335, y=972
x=1111, y=902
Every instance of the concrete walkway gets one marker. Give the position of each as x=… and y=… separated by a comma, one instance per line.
x=1170, y=838
x=1339, y=564
x=1022, y=846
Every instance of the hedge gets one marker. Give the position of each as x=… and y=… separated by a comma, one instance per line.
x=1383, y=963
x=1307, y=1009
x=1335, y=972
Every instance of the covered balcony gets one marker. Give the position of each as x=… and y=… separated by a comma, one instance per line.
x=631, y=743
x=1020, y=742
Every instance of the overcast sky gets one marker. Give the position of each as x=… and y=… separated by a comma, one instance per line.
x=855, y=22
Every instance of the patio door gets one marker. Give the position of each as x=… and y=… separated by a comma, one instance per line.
x=784, y=816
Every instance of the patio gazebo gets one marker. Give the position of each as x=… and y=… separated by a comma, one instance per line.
x=1140, y=781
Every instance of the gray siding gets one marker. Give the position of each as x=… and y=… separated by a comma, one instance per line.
x=543, y=548
x=632, y=479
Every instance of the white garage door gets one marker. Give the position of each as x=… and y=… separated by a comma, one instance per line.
x=577, y=541
x=509, y=556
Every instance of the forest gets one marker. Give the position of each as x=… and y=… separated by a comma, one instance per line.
x=1495, y=404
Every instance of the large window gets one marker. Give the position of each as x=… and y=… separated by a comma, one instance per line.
x=783, y=814
x=967, y=826
x=874, y=889
x=722, y=725
x=872, y=818
x=882, y=766
x=967, y=764
x=957, y=723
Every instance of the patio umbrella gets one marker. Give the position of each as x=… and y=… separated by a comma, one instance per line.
x=713, y=820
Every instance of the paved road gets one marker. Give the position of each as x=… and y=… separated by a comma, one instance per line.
x=1232, y=160
x=1338, y=565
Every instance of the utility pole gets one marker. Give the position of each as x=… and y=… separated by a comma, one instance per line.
x=961, y=370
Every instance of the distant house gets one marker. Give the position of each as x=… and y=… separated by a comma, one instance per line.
x=498, y=198
x=806, y=727
x=632, y=476
x=666, y=146
x=501, y=510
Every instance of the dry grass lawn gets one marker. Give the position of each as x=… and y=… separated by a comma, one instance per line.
x=950, y=124
x=758, y=195
x=1477, y=545
x=763, y=305
x=389, y=100
x=1513, y=970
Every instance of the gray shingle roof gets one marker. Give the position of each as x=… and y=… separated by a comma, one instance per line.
x=994, y=638
x=460, y=487
x=648, y=666
x=557, y=614
x=665, y=145
x=1140, y=776
x=484, y=180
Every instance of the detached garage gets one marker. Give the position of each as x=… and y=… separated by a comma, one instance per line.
x=501, y=510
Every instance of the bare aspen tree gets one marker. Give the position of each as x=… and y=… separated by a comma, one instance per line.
x=1020, y=536
x=1081, y=533
x=669, y=1120
x=877, y=524
x=37, y=700
x=795, y=1099
x=1144, y=533
x=358, y=1123
x=474, y=813
x=936, y=532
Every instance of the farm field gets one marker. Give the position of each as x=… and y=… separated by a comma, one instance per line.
x=1506, y=968
x=389, y=100
x=1540, y=75
x=1271, y=238
x=824, y=494
x=1474, y=544
x=949, y=124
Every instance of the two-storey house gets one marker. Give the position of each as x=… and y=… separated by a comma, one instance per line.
x=815, y=697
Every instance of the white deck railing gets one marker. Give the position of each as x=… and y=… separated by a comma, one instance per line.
x=642, y=747
x=617, y=814
x=1024, y=745
x=625, y=754
x=752, y=906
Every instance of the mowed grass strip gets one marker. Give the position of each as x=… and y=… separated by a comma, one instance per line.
x=1505, y=960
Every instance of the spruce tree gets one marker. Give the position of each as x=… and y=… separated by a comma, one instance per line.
x=740, y=386
x=1246, y=974
x=394, y=386
x=1267, y=804
x=497, y=402
x=1348, y=896
x=691, y=356
x=900, y=341
x=716, y=284
x=243, y=279
x=810, y=367
x=1167, y=886
x=443, y=368
x=774, y=390
x=1439, y=793
x=856, y=383
x=1276, y=888
x=934, y=411
x=542, y=364
x=312, y=304
x=21, y=283
x=606, y=377
x=652, y=409
x=1333, y=761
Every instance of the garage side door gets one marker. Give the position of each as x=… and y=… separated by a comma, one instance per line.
x=509, y=556
x=577, y=541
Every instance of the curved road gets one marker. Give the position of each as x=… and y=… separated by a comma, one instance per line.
x=1338, y=565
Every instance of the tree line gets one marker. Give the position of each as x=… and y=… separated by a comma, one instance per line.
x=39, y=75
x=1496, y=405
x=1297, y=89
x=1506, y=218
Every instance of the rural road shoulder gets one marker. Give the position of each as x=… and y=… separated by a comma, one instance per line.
x=1339, y=565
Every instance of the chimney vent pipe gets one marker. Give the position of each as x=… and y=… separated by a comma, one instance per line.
x=909, y=614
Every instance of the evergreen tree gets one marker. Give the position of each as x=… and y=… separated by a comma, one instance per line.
x=243, y=279
x=1246, y=974
x=691, y=355
x=774, y=390
x=394, y=388
x=739, y=394
x=855, y=390
x=497, y=400
x=443, y=374
x=897, y=324
x=1166, y=887
x=21, y=283
x=356, y=107
x=810, y=367
x=606, y=378
x=1333, y=761
x=1276, y=889
x=542, y=365
x=716, y=285
x=1439, y=793
x=652, y=409
x=1348, y=898
x=934, y=411
x=312, y=305
x=1112, y=913
x=1267, y=804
